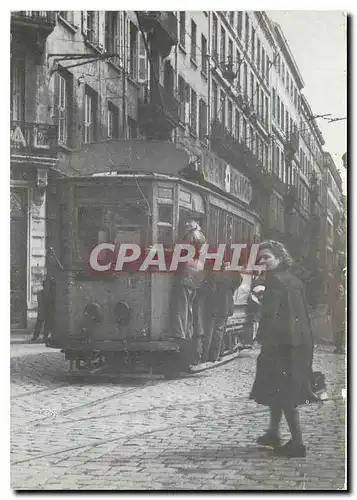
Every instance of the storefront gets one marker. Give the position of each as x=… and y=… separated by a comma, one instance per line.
x=32, y=155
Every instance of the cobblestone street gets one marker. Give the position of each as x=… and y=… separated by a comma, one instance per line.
x=195, y=433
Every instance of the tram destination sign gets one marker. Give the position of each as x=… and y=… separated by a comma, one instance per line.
x=224, y=176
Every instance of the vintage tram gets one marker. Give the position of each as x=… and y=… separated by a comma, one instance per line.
x=123, y=318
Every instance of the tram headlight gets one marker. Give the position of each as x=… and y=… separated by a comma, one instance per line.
x=122, y=313
x=93, y=313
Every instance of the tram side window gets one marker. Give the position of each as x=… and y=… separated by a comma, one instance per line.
x=165, y=224
x=89, y=228
x=213, y=227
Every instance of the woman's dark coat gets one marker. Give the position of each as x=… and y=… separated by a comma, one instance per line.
x=284, y=365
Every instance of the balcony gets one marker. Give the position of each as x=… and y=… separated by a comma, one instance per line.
x=292, y=144
x=235, y=152
x=164, y=29
x=33, y=28
x=41, y=20
x=33, y=139
x=291, y=197
x=158, y=113
x=273, y=181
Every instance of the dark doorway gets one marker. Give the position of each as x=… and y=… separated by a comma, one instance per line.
x=18, y=257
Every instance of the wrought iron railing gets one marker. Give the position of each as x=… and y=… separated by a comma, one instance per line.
x=44, y=16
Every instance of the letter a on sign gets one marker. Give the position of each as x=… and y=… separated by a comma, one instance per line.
x=17, y=137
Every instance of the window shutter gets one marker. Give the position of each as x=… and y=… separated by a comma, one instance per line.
x=101, y=29
x=84, y=23
x=142, y=74
x=187, y=103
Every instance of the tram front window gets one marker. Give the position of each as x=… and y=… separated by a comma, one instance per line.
x=107, y=224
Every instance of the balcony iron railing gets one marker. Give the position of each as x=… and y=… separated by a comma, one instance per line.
x=36, y=18
x=235, y=152
x=33, y=138
x=163, y=25
x=292, y=143
x=158, y=109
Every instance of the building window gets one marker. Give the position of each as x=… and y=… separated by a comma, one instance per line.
x=91, y=30
x=111, y=31
x=215, y=38
x=215, y=100
x=238, y=62
x=257, y=93
x=278, y=109
x=230, y=55
x=64, y=87
x=168, y=77
x=113, y=121
x=287, y=123
x=283, y=72
x=142, y=60
x=282, y=165
x=223, y=108
x=258, y=54
x=253, y=44
x=245, y=79
x=251, y=86
x=17, y=88
x=267, y=156
x=204, y=54
x=267, y=69
x=245, y=135
x=266, y=111
x=251, y=139
x=133, y=51
x=246, y=30
x=274, y=103
x=193, y=113
x=230, y=116
x=223, y=48
x=231, y=17
x=237, y=124
x=239, y=23
x=182, y=28
x=262, y=104
x=182, y=96
x=276, y=160
x=282, y=116
x=263, y=61
x=193, y=41
x=90, y=115
x=202, y=120
x=287, y=82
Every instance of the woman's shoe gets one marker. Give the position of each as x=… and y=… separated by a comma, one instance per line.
x=291, y=450
x=269, y=439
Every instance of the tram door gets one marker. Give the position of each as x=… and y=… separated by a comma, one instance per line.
x=18, y=257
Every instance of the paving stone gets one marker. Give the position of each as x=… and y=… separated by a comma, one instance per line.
x=196, y=433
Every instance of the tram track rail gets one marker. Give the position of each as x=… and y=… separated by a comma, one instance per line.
x=89, y=404
x=128, y=438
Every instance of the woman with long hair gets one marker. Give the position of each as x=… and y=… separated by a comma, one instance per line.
x=284, y=366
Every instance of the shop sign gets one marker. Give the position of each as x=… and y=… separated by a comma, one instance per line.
x=31, y=138
x=222, y=175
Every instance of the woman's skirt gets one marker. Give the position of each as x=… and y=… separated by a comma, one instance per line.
x=283, y=376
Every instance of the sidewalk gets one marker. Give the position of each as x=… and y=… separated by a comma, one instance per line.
x=20, y=336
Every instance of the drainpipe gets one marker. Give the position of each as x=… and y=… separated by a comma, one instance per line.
x=209, y=81
x=176, y=82
x=126, y=41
